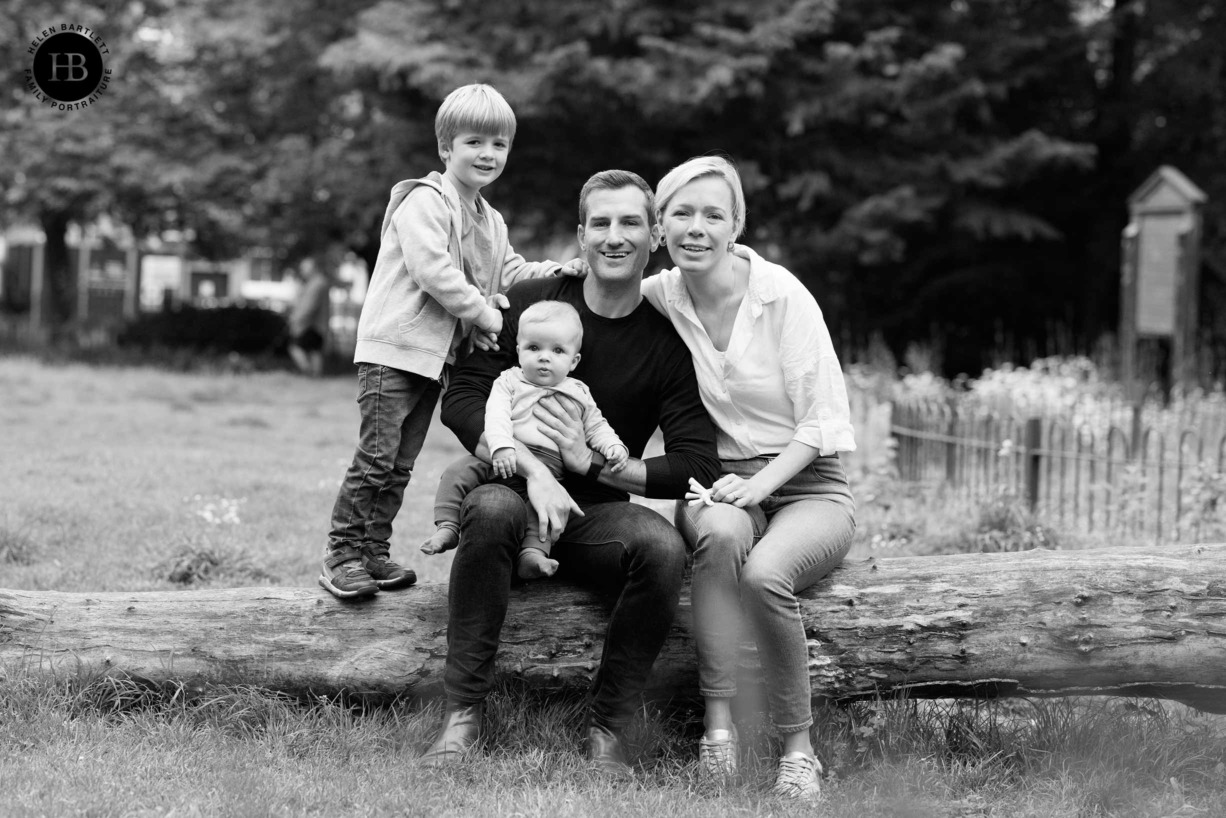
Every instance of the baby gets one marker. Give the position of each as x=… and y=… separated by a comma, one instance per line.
x=548, y=341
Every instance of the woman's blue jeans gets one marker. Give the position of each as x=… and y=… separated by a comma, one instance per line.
x=749, y=564
x=626, y=550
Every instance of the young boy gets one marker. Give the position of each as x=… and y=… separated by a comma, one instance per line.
x=548, y=341
x=443, y=261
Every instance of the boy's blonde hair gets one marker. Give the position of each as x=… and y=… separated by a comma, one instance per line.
x=697, y=168
x=478, y=108
x=544, y=312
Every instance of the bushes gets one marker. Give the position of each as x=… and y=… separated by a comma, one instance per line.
x=245, y=330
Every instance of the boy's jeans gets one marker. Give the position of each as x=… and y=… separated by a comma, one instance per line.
x=627, y=550
x=396, y=411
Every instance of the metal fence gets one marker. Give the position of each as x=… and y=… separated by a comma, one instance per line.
x=1137, y=473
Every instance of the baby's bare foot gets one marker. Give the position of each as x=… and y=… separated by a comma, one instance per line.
x=534, y=564
x=443, y=539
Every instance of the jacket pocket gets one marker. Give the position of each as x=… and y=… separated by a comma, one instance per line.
x=430, y=329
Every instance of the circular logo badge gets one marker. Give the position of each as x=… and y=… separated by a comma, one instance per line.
x=67, y=67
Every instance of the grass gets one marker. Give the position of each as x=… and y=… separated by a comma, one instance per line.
x=125, y=478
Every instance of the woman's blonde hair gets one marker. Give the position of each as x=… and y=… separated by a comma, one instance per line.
x=697, y=168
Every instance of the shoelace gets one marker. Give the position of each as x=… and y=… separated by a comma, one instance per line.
x=797, y=775
x=718, y=755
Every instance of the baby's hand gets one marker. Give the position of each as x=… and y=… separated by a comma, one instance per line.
x=504, y=462
x=576, y=267
x=616, y=457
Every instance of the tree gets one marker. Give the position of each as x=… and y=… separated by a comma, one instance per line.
x=68, y=166
x=955, y=171
x=888, y=153
x=1138, y=622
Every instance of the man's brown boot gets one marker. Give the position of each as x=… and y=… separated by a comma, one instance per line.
x=459, y=735
x=604, y=750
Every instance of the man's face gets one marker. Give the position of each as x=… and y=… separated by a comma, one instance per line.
x=616, y=240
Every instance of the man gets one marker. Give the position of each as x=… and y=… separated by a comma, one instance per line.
x=641, y=376
x=309, y=316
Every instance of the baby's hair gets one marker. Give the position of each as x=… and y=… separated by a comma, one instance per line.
x=696, y=168
x=543, y=312
x=478, y=108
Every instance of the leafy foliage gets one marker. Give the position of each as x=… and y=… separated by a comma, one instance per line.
x=946, y=171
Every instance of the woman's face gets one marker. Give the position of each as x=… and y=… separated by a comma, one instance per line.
x=698, y=224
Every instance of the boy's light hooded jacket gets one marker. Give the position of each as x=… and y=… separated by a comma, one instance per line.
x=421, y=303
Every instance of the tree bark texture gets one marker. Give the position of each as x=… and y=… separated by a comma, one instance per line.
x=1138, y=621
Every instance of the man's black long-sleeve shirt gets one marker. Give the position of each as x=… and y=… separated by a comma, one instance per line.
x=639, y=372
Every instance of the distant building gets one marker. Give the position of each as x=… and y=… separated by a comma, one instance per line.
x=120, y=277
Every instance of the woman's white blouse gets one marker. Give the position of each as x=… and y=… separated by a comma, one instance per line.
x=779, y=380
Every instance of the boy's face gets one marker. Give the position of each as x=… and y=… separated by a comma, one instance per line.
x=474, y=160
x=548, y=351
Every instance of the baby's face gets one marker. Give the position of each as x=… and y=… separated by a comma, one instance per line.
x=548, y=351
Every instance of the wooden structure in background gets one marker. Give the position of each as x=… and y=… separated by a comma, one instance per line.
x=1160, y=281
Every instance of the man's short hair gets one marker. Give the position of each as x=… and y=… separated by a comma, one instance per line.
x=478, y=108
x=544, y=312
x=616, y=180
x=697, y=168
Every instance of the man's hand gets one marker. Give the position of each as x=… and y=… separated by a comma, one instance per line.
x=504, y=462
x=560, y=420
x=552, y=504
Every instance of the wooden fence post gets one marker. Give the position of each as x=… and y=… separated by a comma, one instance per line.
x=1033, y=442
x=951, y=445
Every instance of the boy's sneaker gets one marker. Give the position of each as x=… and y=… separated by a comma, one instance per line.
x=798, y=777
x=386, y=574
x=344, y=575
x=717, y=756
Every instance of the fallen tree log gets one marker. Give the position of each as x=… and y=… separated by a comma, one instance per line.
x=1137, y=621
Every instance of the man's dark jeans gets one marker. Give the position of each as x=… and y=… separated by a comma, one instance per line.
x=624, y=548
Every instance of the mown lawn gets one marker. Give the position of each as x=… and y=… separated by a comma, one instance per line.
x=138, y=479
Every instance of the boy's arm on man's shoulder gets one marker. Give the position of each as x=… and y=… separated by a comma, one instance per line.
x=516, y=268
x=422, y=224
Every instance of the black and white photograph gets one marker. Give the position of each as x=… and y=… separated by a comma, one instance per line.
x=613, y=408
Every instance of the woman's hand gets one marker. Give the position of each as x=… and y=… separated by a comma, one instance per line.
x=736, y=490
x=560, y=420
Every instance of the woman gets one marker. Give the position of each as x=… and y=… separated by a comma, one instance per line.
x=781, y=516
